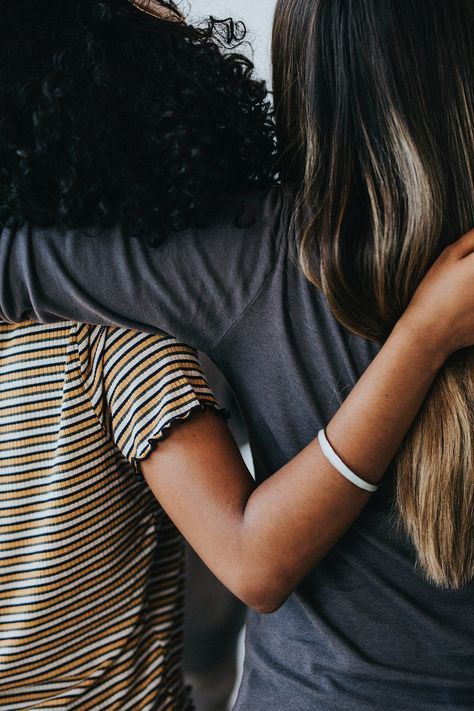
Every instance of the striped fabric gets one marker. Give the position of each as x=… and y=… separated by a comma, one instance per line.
x=91, y=569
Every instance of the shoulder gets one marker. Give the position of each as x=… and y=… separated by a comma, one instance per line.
x=194, y=284
x=121, y=350
x=140, y=384
x=254, y=220
x=240, y=246
x=207, y=277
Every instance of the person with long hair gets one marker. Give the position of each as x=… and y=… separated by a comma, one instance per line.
x=374, y=104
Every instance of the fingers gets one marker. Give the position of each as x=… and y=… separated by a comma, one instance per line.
x=464, y=246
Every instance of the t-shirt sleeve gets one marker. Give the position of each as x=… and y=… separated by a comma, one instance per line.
x=142, y=385
x=194, y=284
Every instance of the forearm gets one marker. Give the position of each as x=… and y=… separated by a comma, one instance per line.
x=313, y=503
x=385, y=401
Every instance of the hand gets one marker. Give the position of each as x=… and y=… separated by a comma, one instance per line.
x=441, y=311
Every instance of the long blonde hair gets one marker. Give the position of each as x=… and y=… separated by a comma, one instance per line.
x=375, y=112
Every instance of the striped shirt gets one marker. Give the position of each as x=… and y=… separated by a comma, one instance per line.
x=91, y=568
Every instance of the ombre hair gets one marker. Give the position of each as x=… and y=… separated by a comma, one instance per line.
x=375, y=111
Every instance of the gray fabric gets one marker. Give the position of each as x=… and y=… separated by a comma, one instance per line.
x=364, y=631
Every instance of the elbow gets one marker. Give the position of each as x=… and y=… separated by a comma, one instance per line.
x=267, y=605
x=261, y=593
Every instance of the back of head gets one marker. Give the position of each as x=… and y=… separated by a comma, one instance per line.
x=375, y=113
x=114, y=115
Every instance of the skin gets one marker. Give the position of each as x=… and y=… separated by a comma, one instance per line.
x=153, y=7
x=270, y=536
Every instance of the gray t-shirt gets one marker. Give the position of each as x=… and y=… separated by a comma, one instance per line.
x=364, y=631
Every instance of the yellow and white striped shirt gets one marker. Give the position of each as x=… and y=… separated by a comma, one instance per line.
x=91, y=569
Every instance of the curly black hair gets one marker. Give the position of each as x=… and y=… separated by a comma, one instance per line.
x=110, y=116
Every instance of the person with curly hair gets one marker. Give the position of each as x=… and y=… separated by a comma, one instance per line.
x=106, y=111
x=115, y=116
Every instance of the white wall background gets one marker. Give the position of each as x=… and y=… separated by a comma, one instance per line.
x=257, y=15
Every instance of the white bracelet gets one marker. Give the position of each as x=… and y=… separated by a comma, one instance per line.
x=338, y=464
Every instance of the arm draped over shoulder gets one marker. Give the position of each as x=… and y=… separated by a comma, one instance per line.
x=193, y=284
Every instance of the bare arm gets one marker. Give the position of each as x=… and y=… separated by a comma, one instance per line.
x=261, y=541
